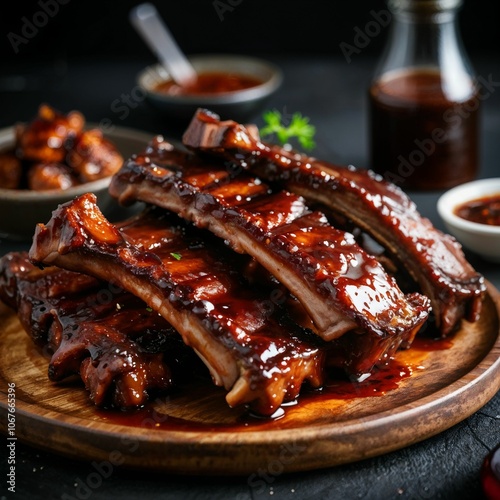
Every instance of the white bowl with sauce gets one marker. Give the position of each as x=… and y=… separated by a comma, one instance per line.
x=481, y=238
x=236, y=104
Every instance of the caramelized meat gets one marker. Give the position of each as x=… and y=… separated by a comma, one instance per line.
x=93, y=157
x=44, y=138
x=53, y=151
x=434, y=259
x=196, y=284
x=122, y=350
x=337, y=282
x=45, y=176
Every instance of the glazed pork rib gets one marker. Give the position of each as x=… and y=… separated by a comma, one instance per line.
x=341, y=287
x=192, y=284
x=122, y=351
x=434, y=259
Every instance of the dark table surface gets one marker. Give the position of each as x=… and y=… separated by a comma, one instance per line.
x=333, y=94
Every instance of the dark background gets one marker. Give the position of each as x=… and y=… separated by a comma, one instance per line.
x=84, y=45
x=100, y=29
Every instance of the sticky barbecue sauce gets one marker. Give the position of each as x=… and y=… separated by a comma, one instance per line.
x=485, y=210
x=337, y=387
x=209, y=83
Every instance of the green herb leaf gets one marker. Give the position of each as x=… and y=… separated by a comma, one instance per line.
x=299, y=128
x=176, y=256
x=149, y=309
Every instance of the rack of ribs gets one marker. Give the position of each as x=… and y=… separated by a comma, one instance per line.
x=341, y=286
x=434, y=259
x=246, y=263
x=122, y=351
x=250, y=346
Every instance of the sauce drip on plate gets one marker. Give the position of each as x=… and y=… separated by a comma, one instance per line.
x=382, y=380
x=337, y=386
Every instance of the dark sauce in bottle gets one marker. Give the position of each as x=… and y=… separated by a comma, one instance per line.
x=420, y=137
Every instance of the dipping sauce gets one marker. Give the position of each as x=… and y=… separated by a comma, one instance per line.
x=485, y=210
x=421, y=135
x=210, y=83
x=490, y=474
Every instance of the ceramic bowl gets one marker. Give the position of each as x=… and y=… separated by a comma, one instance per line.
x=240, y=105
x=482, y=239
x=21, y=210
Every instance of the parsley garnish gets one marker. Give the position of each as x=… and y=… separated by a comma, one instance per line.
x=176, y=256
x=299, y=127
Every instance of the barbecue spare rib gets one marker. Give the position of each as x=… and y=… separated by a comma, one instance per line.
x=250, y=344
x=381, y=209
x=342, y=287
x=123, y=351
x=250, y=347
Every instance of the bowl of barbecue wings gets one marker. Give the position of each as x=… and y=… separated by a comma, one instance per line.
x=52, y=159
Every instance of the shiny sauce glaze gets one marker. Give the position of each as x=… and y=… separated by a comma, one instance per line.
x=120, y=347
x=195, y=281
x=209, y=83
x=485, y=210
x=53, y=151
x=282, y=227
x=337, y=386
x=380, y=208
x=205, y=279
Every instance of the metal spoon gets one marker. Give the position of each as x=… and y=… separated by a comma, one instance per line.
x=148, y=23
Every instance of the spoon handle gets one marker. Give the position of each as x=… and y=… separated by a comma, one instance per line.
x=149, y=25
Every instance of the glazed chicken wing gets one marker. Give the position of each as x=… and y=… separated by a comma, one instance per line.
x=44, y=176
x=93, y=157
x=44, y=138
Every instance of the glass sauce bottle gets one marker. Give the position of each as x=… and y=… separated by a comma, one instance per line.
x=424, y=104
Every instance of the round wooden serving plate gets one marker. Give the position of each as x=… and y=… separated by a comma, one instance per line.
x=195, y=432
